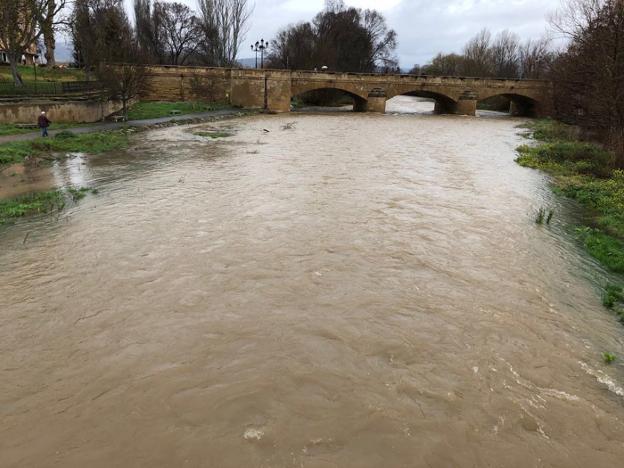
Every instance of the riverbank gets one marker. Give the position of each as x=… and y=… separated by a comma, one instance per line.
x=587, y=173
x=17, y=156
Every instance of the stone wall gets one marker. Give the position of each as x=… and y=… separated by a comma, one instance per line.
x=66, y=110
x=165, y=83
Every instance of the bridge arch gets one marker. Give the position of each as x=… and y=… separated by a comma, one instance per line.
x=444, y=104
x=359, y=99
x=520, y=104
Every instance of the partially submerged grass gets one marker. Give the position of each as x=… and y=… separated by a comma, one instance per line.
x=213, y=134
x=152, y=110
x=585, y=172
x=79, y=193
x=608, y=358
x=544, y=216
x=40, y=202
x=33, y=203
x=64, y=142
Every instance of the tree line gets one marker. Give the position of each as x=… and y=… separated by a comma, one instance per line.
x=500, y=56
x=163, y=33
x=589, y=74
x=340, y=38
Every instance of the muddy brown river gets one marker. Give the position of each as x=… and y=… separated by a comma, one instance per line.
x=350, y=290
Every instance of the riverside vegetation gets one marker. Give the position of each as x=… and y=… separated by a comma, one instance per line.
x=49, y=150
x=40, y=202
x=587, y=173
x=64, y=142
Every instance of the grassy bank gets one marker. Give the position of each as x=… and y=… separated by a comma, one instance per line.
x=63, y=142
x=39, y=203
x=586, y=173
x=43, y=73
x=153, y=110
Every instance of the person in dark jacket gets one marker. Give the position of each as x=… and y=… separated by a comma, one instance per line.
x=43, y=123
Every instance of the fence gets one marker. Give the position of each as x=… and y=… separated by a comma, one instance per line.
x=48, y=88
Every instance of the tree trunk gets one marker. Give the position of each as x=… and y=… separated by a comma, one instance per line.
x=17, y=78
x=48, y=35
x=50, y=45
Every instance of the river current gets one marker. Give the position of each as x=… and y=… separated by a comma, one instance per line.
x=315, y=290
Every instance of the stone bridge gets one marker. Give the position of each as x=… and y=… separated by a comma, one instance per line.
x=273, y=90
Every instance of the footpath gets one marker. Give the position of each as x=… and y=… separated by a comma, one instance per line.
x=106, y=126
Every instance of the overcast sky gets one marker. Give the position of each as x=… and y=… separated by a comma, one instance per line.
x=424, y=27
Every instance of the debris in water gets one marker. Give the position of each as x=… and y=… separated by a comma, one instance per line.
x=253, y=434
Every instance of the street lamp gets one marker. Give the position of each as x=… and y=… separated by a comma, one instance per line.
x=260, y=46
x=35, y=57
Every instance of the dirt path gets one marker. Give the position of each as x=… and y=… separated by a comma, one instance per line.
x=106, y=126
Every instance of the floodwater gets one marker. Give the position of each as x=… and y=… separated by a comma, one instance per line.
x=349, y=290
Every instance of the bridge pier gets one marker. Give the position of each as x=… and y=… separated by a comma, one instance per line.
x=467, y=103
x=466, y=107
x=376, y=101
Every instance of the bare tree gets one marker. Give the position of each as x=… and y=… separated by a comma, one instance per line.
x=20, y=28
x=178, y=29
x=589, y=76
x=224, y=24
x=123, y=82
x=535, y=58
x=478, y=55
x=505, y=55
x=382, y=40
x=49, y=21
x=445, y=65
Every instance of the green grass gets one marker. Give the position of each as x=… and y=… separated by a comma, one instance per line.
x=613, y=295
x=64, y=142
x=152, y=110
x=608, y=358
x=213, y=135
x=34, y=203
x=14, y=152
x=548, y=130
x=40, y=202
x=606, y=249
x=43, y=73
x=584, y=172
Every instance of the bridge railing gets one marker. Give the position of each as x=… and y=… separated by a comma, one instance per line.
x=337, y=73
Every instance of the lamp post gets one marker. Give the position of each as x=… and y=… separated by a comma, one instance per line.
x=260, y=46
x=35, y=57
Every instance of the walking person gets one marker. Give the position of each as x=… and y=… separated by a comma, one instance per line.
x=43, y=123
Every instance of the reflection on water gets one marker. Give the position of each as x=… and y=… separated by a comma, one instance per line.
x=356, y=290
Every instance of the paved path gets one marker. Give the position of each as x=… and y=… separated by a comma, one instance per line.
x=105, y=126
